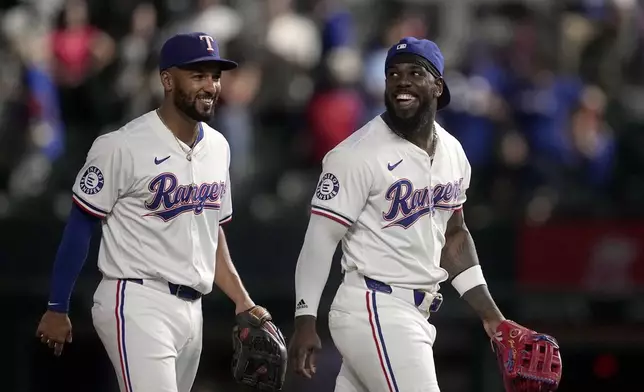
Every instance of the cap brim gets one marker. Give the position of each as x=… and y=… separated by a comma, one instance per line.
x=445, y=98
x=224, y=65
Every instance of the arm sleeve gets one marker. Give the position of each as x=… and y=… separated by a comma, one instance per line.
x=105, y=176
x=314, y=263
x=226, y=203
x=343, y=188
x=70, y=257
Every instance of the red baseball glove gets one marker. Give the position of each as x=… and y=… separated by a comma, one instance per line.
x=529, y=361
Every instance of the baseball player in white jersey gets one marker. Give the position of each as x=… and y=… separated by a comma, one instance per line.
x=160, y=188
x=392, y=193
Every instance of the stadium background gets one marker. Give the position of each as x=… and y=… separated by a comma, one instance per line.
x=547, y=101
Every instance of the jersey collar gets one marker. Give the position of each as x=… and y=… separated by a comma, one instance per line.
x=199, y=136
x=166, y=134
x=406, y=143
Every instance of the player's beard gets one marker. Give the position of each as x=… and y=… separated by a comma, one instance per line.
x=188, y=106
x=410, y=125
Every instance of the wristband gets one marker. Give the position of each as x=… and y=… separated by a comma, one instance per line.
x=468, y=279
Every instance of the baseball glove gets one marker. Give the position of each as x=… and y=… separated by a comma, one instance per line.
x=259, y=358
x=529, y=361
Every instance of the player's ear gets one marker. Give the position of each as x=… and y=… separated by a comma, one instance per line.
x=438, y=90
x=167, y=81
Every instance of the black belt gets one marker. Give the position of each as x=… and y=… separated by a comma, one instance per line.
x=180, y=291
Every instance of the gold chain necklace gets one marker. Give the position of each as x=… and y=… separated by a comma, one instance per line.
x=194, y=137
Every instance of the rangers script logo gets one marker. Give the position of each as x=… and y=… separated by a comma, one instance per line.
x=407, y=204
x=169, y=199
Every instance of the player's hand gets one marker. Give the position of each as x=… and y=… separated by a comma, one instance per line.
x=54, y=330
x=491, y=326
x=244, y=306
x=304, y=345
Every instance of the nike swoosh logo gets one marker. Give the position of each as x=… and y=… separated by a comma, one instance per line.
x=53, y=303
x=392, y=167
x=158, y=161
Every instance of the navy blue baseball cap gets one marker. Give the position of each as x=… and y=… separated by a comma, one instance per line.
x=429, y=51
x=184, y=49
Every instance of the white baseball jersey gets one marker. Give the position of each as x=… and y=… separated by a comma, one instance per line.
x=395, y=201
x=161, y=212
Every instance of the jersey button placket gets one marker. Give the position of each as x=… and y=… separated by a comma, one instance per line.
x=431, y=203
x=194, y=231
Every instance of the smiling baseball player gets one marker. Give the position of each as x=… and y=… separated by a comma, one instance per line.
x=393, y=193
x=160, y=187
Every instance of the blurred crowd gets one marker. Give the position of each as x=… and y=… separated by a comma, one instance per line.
x=546, y=100
x=546, y=95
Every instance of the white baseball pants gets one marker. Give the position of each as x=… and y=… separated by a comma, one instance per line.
x=385, y=342
x=152, y=337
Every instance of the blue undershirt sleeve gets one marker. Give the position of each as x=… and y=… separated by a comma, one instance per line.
x=70, y=257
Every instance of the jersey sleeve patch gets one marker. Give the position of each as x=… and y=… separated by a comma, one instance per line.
x=328, y=187
x=106, y=174
x=92, y=181
x=343, y=187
